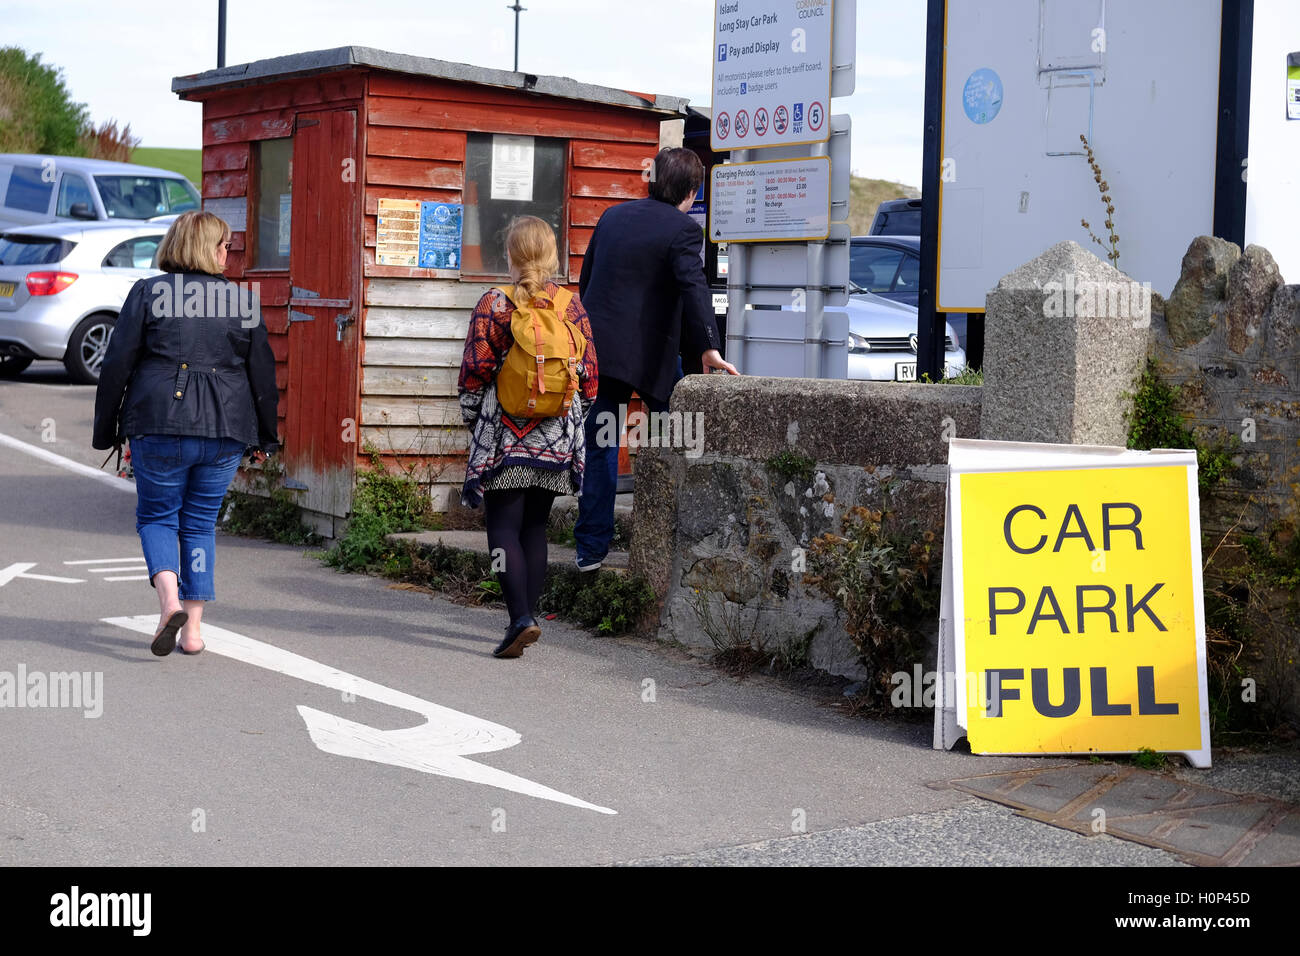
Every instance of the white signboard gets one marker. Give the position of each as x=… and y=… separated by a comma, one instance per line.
x=771, y=72
x=512, y=168
x=771, y=200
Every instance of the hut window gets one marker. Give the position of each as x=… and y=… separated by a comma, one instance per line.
x=272, y=159
x=508, y=176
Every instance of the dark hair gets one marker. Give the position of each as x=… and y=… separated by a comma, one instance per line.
x=677, y=174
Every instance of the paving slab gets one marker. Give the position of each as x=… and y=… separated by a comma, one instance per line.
x=1201, y=825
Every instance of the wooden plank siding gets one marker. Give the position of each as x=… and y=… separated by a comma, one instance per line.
x=413, y=132
x=603, y=174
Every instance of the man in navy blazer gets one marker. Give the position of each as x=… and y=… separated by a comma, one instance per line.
x=644, y=290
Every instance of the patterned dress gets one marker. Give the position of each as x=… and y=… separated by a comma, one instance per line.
x=507, y=452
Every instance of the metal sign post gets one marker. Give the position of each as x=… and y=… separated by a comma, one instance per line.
x=776, y=65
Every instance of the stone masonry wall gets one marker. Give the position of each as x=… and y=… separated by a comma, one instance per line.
x=715, y=535
x=1229, y=336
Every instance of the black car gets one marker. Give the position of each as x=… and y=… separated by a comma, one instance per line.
x=897, y=217
x=889, y=266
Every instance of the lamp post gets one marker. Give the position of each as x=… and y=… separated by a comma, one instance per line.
x=518, y=10
x=221, y=33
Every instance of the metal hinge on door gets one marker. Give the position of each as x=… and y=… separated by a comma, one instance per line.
x=306, y=297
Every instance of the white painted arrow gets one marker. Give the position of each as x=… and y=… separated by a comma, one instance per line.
x=437, y=746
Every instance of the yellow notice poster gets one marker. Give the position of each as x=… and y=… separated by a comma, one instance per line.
x=1076, y=608
x=397, y=232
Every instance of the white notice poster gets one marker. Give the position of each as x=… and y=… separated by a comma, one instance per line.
x=512, y=168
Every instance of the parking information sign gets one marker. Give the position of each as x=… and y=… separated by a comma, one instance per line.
x=771, y=72
x=1075, y=601
x=771, y=200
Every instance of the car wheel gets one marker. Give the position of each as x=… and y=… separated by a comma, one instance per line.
x=87, y=346
x=11, y=366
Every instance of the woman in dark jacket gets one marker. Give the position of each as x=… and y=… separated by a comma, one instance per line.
x=190, y=378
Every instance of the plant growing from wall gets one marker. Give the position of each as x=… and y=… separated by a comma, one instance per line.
x=383, y=503
x=1156, y=422
x=1104, y=188
x=886, y=584
x=1252, y=630
x=273, y=513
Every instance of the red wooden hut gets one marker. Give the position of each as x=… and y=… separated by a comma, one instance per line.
x=301, y=152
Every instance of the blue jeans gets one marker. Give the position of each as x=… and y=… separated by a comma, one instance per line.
x=594, y=529
x=180, y=483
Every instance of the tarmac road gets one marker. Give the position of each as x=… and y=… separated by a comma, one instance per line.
x=277, y=745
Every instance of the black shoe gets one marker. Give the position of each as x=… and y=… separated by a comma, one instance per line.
x=519, y=635
x=164, y=641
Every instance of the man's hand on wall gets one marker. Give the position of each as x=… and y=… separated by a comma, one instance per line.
x=713, y=359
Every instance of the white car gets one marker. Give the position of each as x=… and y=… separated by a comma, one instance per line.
x=36, y=189
x=62, y=286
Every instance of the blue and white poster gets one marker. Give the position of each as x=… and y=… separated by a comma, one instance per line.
x=440, y=234
x=982, y=96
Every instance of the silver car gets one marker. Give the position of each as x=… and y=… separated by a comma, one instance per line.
x=62, y=286
x=882, y=340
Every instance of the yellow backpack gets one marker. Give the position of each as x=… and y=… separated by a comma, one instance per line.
x=540, y=373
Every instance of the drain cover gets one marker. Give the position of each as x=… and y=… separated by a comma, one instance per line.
x=1201, y=825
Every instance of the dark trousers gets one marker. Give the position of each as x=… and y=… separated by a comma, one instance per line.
x=516, y=533
x=594, y=528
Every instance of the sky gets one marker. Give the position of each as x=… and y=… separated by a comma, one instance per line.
x=119, y=58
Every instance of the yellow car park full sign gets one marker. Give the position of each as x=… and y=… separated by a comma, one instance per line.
x=1072, y=615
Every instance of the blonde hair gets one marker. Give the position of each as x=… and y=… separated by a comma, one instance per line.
x=530, y=244
x=191, y=243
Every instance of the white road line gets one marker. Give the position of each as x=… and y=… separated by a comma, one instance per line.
x=20, y=570
x=104, y=561
x=438, y=746
x=67, y=463
x=125, y=567
x=130, y=577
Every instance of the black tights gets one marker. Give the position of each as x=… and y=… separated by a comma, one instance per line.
x=516, y=532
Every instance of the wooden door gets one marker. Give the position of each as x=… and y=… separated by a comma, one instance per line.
x=325, y=247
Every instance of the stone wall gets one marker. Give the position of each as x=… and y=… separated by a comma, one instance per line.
x=716, y=535
x=1066, y=339
x=1229, y=337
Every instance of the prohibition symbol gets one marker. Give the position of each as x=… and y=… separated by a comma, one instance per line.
x=815, y=116
x=742, y=123
x=760, y=121
x=780, y=119
x=723, y=125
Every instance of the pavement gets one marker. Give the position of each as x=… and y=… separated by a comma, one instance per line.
x=338, y=720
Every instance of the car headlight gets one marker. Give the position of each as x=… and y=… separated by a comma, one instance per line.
x=858, y=343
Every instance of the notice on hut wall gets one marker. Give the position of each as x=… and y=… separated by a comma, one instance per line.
x=512, y=168
x=397, y=232
x=282, y=239
x=234, y=211
x=440, y=232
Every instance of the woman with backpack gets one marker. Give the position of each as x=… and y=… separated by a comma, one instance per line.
x=527, y=380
